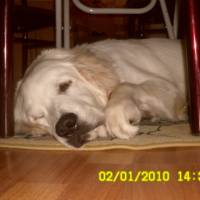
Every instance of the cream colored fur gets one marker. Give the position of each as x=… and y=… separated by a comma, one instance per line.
x=115, y=84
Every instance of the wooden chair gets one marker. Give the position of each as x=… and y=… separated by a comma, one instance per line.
x=193, y=54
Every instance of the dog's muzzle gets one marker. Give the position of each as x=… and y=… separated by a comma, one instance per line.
x=69, y=127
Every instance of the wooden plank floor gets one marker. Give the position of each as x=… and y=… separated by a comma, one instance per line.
x=59, y=175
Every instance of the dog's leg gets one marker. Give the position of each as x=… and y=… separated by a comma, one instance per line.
x=122, y=114
x=129, y=103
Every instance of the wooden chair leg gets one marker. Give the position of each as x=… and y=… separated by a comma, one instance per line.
x=193, y=53
x=6, y=69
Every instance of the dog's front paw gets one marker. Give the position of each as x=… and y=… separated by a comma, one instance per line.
x=122, y=118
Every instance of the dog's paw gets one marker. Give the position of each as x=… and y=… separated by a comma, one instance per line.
x=122, y=118
x=98, y=132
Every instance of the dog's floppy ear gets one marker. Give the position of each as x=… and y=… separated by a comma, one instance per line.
x=97, y=72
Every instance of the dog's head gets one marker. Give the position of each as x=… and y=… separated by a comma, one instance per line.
x=63, y=93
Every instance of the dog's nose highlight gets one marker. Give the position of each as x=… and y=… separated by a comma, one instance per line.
x=66, y=124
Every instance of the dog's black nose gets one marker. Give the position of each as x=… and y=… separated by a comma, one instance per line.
x=67, y=124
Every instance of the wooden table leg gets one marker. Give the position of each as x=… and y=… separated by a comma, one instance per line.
x=6, y=69
x=193, y=53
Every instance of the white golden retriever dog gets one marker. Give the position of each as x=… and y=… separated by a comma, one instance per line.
x=102, y=89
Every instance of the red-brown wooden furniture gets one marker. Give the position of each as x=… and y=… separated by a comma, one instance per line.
x=6, y=69
x=193, y=55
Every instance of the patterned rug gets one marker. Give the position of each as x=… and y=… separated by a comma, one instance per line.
x=150, y=137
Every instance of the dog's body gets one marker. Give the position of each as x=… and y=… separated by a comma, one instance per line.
x=102, y=89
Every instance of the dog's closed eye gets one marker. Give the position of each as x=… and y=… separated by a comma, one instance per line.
x=62, y=87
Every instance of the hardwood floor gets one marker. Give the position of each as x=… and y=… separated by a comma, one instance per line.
x=62, y=175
